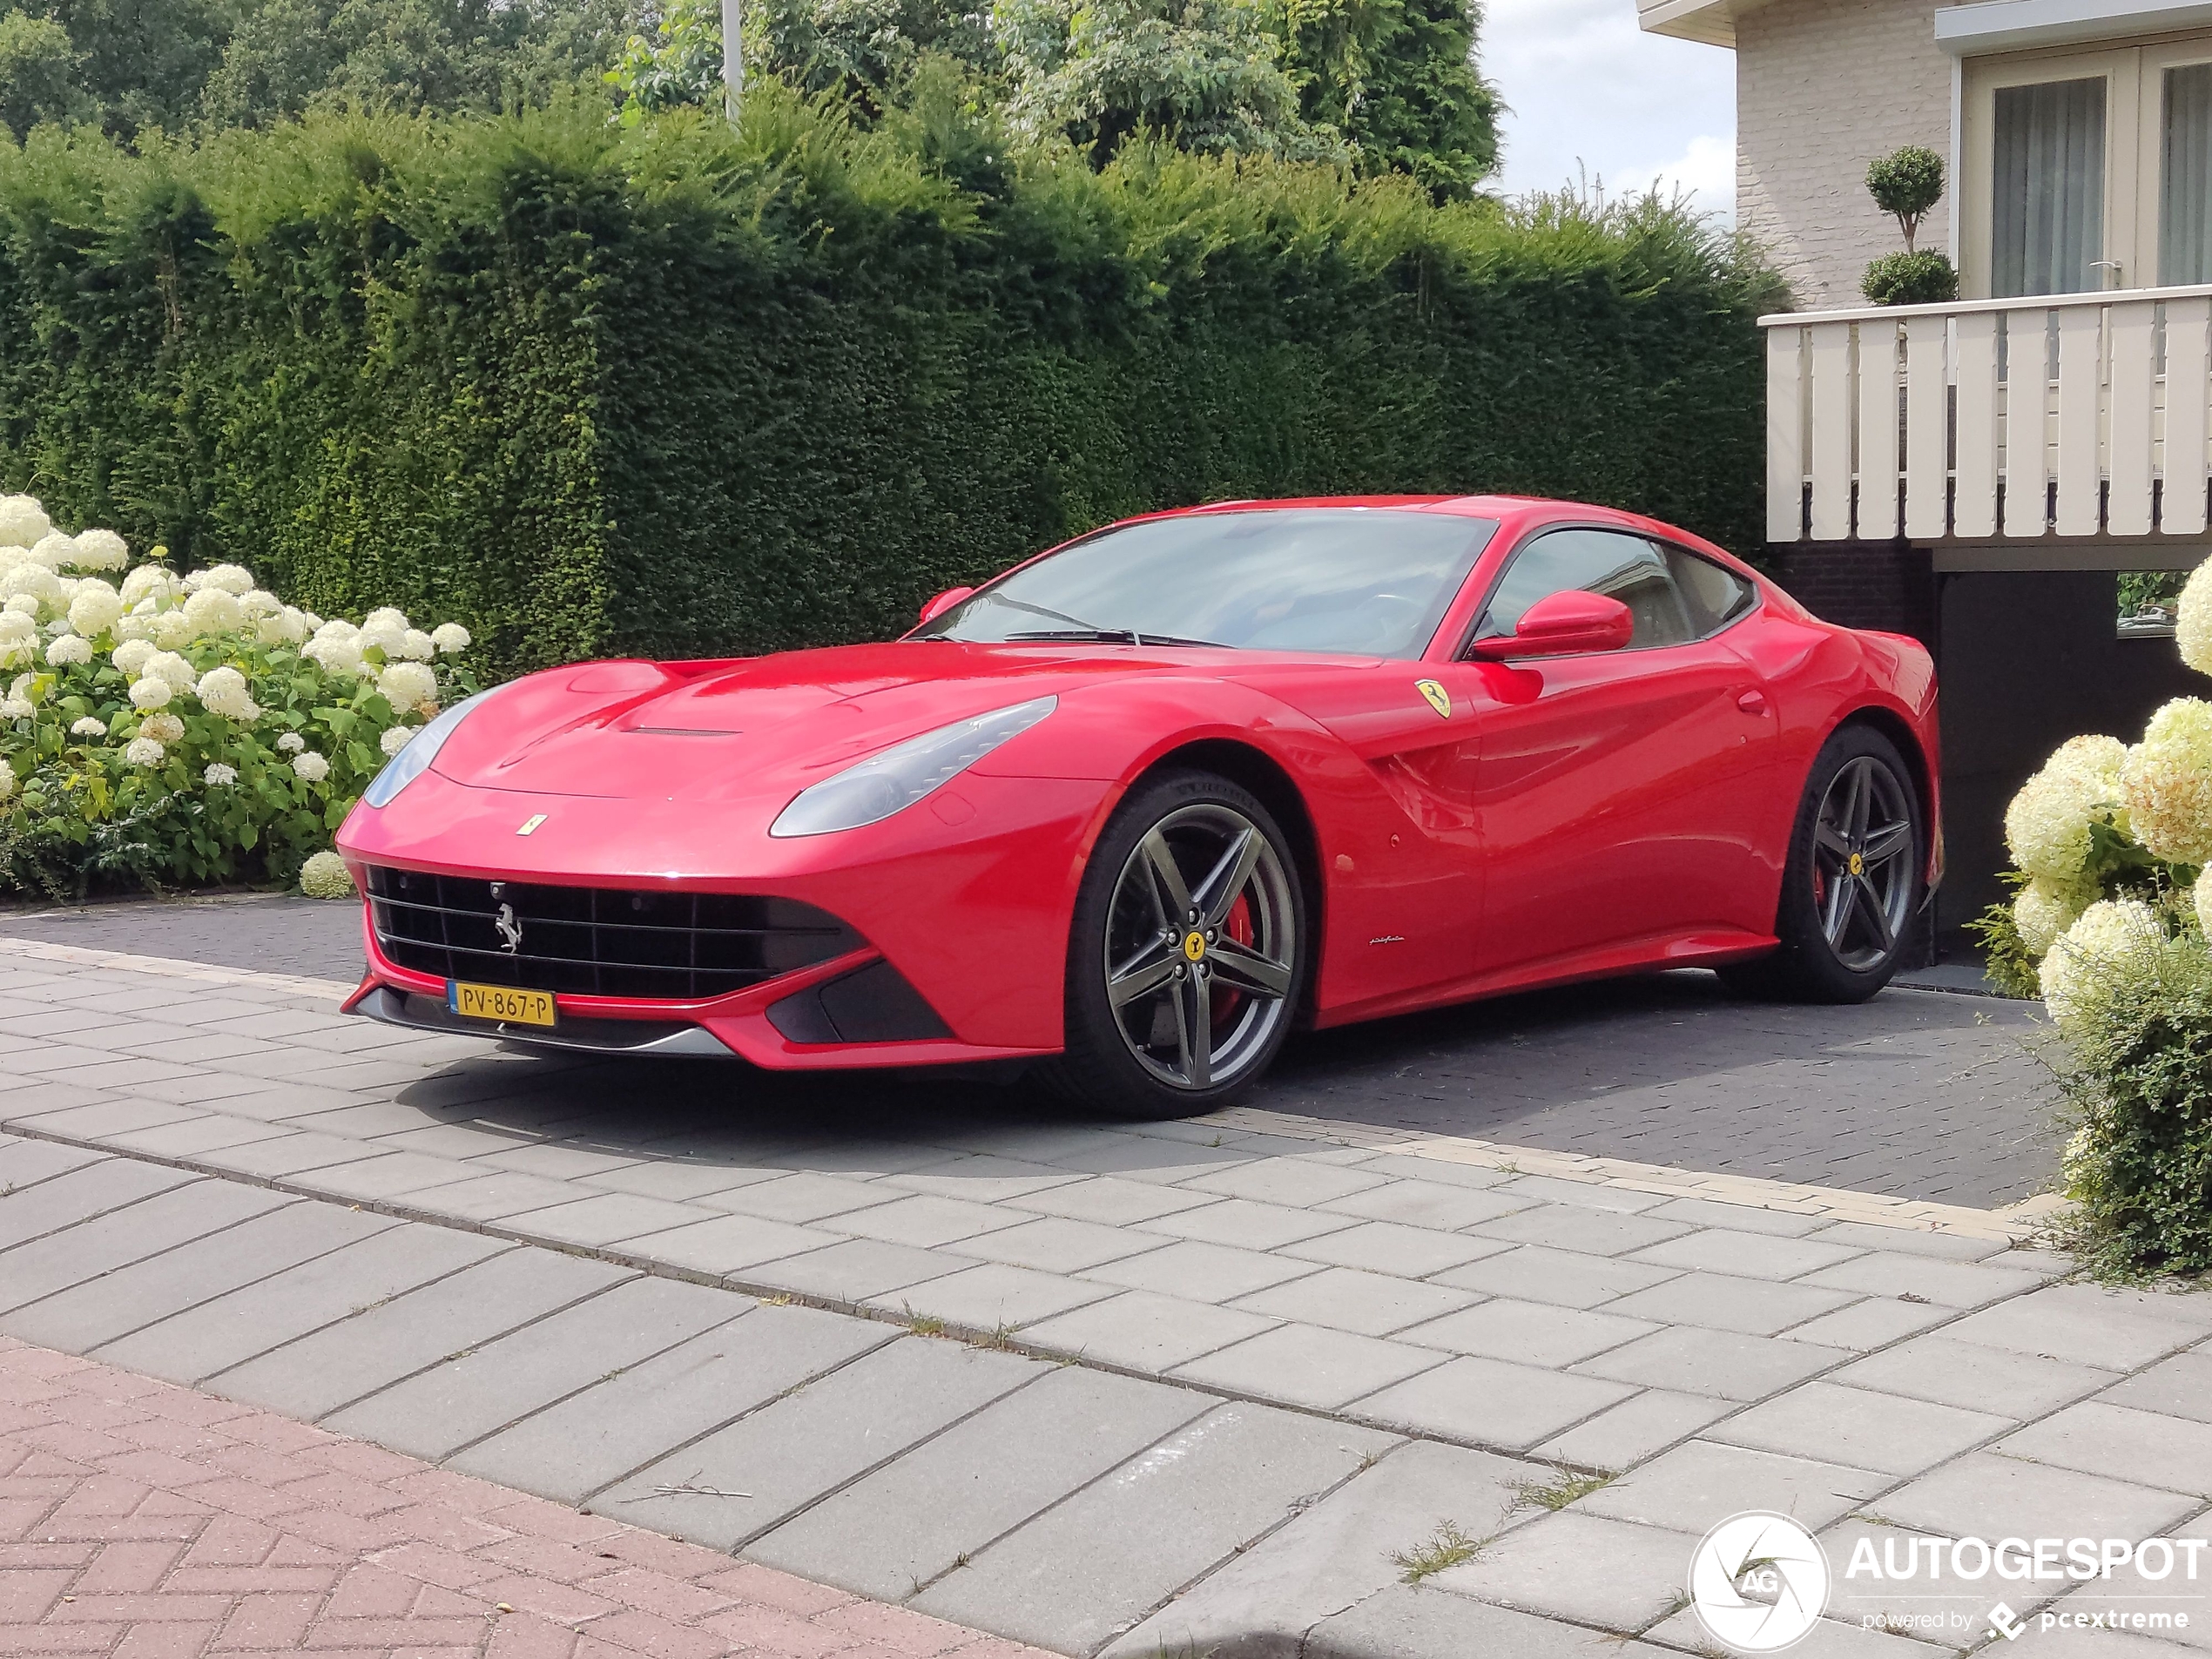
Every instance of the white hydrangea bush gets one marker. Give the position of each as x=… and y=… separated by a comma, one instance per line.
x=187, y=727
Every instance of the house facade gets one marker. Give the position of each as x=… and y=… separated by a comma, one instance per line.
x=1991, y=476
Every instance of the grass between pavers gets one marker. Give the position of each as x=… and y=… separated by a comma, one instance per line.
x=1447, y=1547
x=1557, y=1495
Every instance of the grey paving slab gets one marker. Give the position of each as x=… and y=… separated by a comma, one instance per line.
x=1579, y=1228
x=1310, y=1365
x=1828, y=1638
x=1859, y=1428
x=1536, y=1334
x=1701, y=1483
x=1247, y=1224
x=1146, y=1332
x=907, y=1525
x=1875, y=1322
x=1371, y=1303
x=494, y=1196
x=981, y=1177
x=2122, y=1329
x=1955, y=1247
x=1544, y=1567
x=1741, y=1217
x=994, y=1297
x=923, y=1220
x=197, y=1135
x=1958, y=1284
x=1857, y=1598
x=2181, y=1386
x=83, y=1318
x=1337, y=1554
x=1432, y=1203
x=1724, y=1365
x=1754, y=1307
x=390, y=1175
x=435, y=1413
x=593, y=1438
x=803, y=1197
x=1301, y=1185
x=785, y=1457
x=1634, y=1430
x=1200, y=1273
x=1110, y=1201
x=1426, y=1620
x=866, y=1270
x=725, y=1243
x=233, y=1328
x=1092, y=1568
x=1491, y=1402
x=1390, y=1247
x=1058, y=1244
x=604, y=1218
x=70, y=1256
x=25, y=1163
x=377, y=1346
x=1985, y=1496
x=1939, y=1367
x=2181, y=1605
x=1744, y=1254
x=2127, y=1445
x=64, y=1196
x=1540, y=1273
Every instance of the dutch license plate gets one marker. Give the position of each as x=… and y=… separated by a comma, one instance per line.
x=500, y=1002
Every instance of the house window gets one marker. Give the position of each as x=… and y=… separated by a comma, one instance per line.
x=2048, y=201
x=2185, y=165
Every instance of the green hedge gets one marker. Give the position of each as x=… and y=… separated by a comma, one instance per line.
x=683, y=390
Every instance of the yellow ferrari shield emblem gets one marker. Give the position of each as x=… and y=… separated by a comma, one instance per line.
x=1858, y=866
x=1439, y=698
x=1194, y=947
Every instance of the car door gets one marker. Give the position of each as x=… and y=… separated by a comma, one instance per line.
x=1614, y=788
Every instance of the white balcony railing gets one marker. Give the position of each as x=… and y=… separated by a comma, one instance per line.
x=2079, y=416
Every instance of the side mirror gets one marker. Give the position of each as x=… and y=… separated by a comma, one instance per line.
x=1562, y=624
x=944, y=601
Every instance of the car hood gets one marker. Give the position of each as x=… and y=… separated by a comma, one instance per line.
x=710, y=731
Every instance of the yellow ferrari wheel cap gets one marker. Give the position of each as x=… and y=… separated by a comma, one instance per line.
x=1858, y=864
x=1439, y=698
x=1194, y=945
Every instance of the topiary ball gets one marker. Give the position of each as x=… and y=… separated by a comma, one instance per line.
x=325, y=876
x=1924, y=279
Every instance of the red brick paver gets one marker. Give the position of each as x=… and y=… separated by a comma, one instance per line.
x=142, y=1520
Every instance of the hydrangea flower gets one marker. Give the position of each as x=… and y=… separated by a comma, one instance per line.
x=54, y=551
x=162, y=728
x=2046, y=826
x=449, y=636
x=131, y=656
x=259, y=602
x=387, y=640
x=219, y=776
x=143, y=750
x=2046, y=909
x=2084, y=957
x=167, y=666
x=94, y=608
x=336, y=653
x=287, y=627
x=325, y=876
x=291, y=743
x=31, y=688
x=386, y=619
x=233, y=579
x=417, y=646
x=173, y=628
x=148, y=581
x=131, y=626
x=2167, y=783
x=89, y=727
x=23, y=521
x=212, y=611
x=37, y=584
x=396, y=739
x=408, y=685
x=71, y=650
x=310, y=766
x=7, y=781
x=15, y=708
x=100, y=550
x=150, y=693
x=224, y=690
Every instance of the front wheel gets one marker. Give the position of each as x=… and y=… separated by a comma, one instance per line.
x=1851, y=887
x=1187, y=957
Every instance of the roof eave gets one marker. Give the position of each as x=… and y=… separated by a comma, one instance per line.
x=1710, y=20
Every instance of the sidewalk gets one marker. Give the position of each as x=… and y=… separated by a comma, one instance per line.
x=1219, y=1382
x=148, y=1522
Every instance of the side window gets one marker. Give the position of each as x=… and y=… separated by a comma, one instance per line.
x=1715, y=594
x=1621, y=566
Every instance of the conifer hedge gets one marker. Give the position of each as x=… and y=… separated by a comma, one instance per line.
x=682, y=390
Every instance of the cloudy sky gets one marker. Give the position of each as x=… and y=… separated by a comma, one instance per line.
x=1589, y=89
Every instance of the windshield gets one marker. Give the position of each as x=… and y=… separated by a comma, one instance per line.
x=1364, y=582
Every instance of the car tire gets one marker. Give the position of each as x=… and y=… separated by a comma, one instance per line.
x=1143, y=985
x=1851, y=887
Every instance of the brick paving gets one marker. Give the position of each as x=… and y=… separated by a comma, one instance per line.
x=1915, y=1094
x=144, y=1521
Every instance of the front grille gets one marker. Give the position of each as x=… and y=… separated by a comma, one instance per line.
x=596, y=942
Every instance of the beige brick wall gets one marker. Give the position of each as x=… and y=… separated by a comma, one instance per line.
x=1821, y=88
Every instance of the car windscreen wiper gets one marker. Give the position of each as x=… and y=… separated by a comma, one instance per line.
x=1107, y=636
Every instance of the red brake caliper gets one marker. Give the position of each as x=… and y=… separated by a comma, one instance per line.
x=1239, y=927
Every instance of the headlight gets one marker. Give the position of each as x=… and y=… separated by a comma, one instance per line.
x=421, y=749
x=892, y=781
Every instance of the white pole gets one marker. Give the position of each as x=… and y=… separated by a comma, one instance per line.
x=732, y=58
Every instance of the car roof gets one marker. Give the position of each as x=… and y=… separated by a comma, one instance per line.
x=1513, y=513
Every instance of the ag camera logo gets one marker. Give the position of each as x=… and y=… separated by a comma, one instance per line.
x=1758, y=1582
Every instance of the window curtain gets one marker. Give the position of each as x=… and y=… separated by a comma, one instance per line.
x=2185, y=208
x=2048, y=207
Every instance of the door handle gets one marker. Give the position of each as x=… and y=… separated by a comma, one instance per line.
x=1752, y=702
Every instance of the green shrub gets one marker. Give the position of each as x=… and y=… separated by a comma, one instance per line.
x=2138, y=1077
x=1924, y=279
x=681, y=389
x=1905, y=184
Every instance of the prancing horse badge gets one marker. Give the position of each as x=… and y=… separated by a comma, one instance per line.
x=1439, y=698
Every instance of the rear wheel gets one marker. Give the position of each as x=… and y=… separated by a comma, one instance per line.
x=1187, y=956
x=1852, y=885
